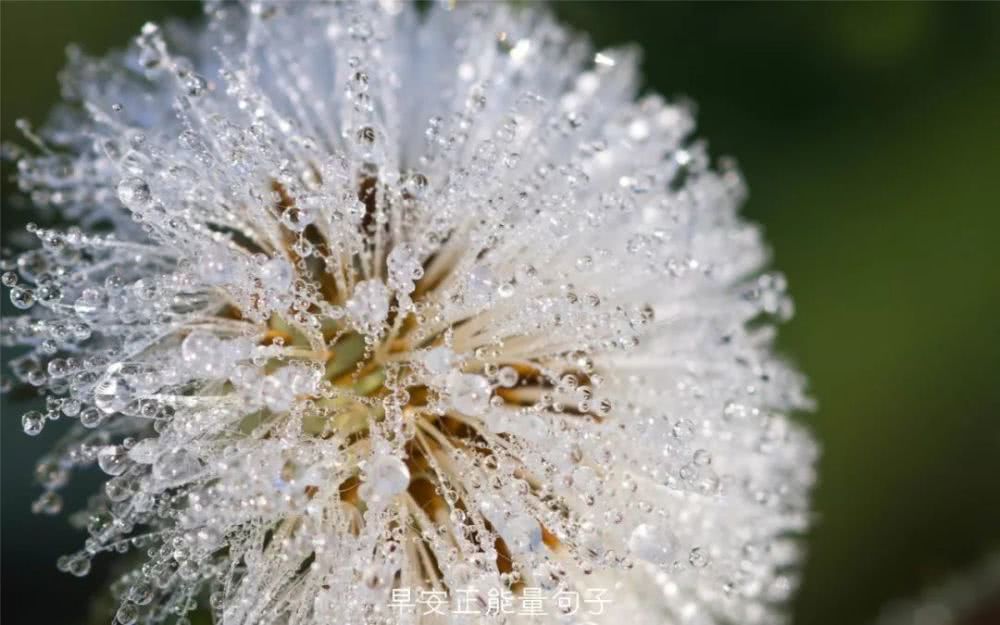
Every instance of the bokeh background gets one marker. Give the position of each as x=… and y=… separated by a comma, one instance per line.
x=870, y=135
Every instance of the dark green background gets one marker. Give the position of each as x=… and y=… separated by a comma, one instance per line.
x=870, y=135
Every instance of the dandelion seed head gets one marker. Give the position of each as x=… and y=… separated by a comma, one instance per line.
x=360, y=297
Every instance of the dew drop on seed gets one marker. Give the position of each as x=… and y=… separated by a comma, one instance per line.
x=386, y=477
x=522, y=533
x=698, y=558
x=33, y=422
x=652, y=544
x=480, y=286
x=470, y=393
x=113, y=459
x=114, y=392
x=22, y=298
x=134, y=193
x=127, y=614
x=91, y=417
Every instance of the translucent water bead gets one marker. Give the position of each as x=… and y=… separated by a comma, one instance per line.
x=369, y=306
x=116, y=388
x=385, y=477
x=113, y=459
x=470, y=393
x=33, y=422
x=653, y=544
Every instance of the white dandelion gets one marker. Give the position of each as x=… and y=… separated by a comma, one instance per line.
x=367, y=298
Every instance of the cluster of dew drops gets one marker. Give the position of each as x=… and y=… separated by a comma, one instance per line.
x=67, y=370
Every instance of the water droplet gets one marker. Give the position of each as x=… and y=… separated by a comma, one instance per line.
x=115, y=390
x=91, y=417
x=652, y=544
x=507, y=377
x=178, y=465
x=506, y=289
x=143, y=452
x=698, y=558
x=683, y=429
x=359, y=82
x=365, y=137
x=414, y=184
x=206, y=355
x=47, y=503
x=480, y=286
x=470, y=393
x=297, y=219
x=118, y=489
x=113, y=459
x=22, y=298
x=438, y=360
x=51, y=474
x=149, y=58
x=522, y=533
x=71, y=407
x=33, y=422
x=277, y=274
x=195, y=85
x=78, y=566
x=141, y=592
x=369, y=306
x=57, y=368
x=127, y=614
x=134, y=193
x=386, y=477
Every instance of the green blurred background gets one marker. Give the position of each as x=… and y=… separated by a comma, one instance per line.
x=870, y=135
